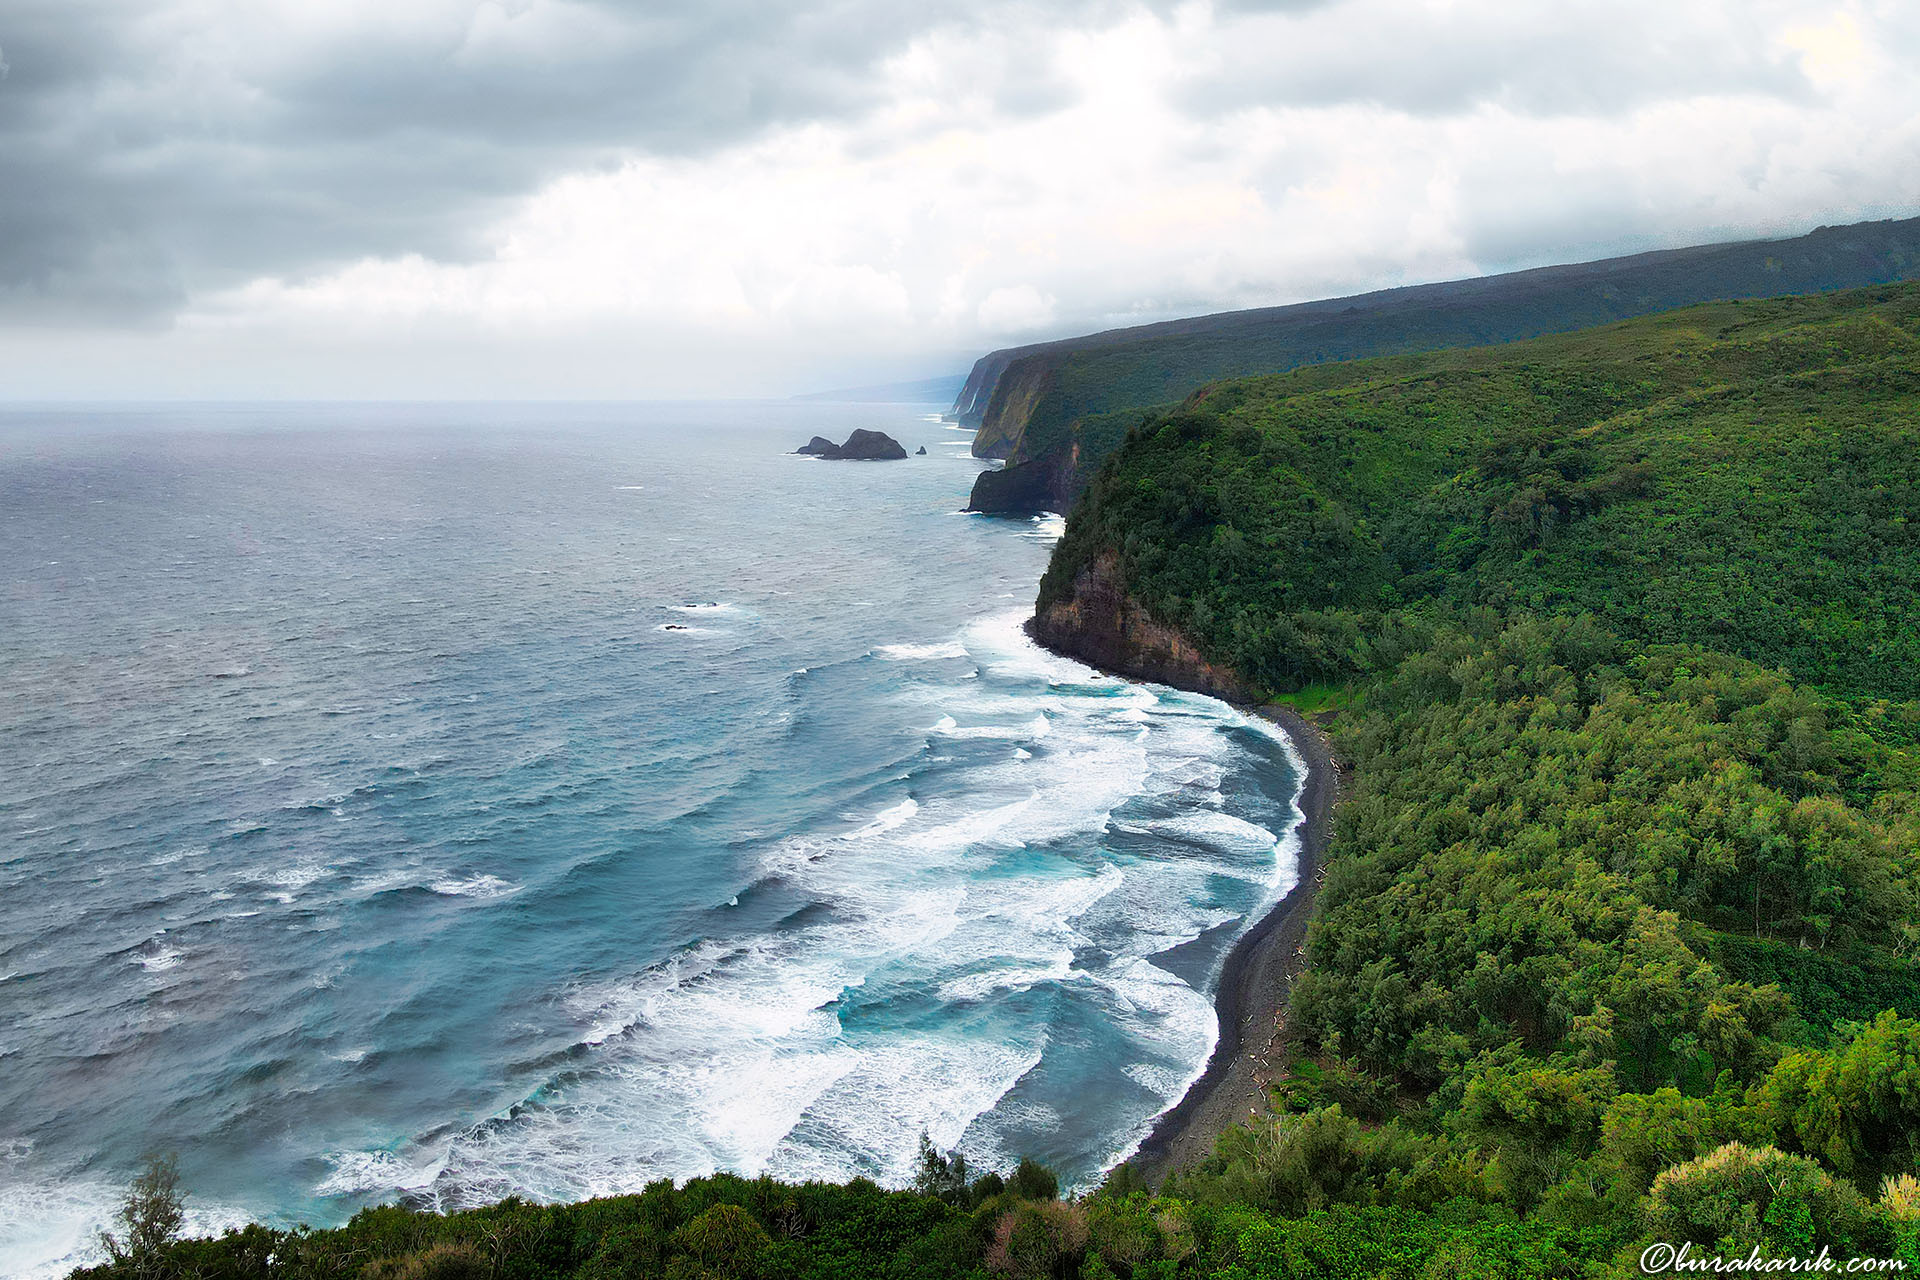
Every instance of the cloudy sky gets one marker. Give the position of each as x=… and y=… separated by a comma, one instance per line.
x=556, y=198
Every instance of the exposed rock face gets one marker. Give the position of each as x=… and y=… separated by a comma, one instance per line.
x=1049, y=483
x=861, y=446
x=1102, y=625
x=1026, y=389
x=872, y=446
x=971, y=404
x=921, y=452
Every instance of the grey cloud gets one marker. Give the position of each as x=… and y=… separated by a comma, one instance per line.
x=1269, y=6
x=144, y=156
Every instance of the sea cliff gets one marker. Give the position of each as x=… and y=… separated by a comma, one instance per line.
x=1098, y=622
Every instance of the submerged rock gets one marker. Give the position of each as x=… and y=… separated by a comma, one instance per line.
x=861, y=446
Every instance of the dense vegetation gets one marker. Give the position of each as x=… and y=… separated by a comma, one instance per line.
x=1042, y=415
x=1622, y=904
x=1740, y=476
x=1616, y=942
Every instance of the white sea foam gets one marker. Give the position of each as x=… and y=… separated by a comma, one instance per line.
x=480, y=886
x=888, y=819
x=47, y=1229
x=1034, y=729
x=160, y=958
x=363, y=1172
x=1048, y=528
x=285, y=884
x=977, y=986
x=920, y=652
x=1215, y=829
x=985, y=892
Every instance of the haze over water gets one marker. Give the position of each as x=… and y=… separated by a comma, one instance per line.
x=456, y=801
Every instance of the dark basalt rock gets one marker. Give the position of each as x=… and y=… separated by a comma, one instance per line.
x=872, y=446
x=921, y=452
x=1028, y=488
x=861, y=446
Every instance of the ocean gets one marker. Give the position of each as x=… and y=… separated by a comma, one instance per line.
x=443, y=802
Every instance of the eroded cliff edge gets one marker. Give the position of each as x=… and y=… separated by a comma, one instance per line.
x=1100, y=624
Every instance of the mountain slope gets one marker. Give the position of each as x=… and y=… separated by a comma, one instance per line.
x=1051, y=410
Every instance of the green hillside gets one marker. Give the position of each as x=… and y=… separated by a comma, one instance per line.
x=1744, y=476
x=1627, y=870
x=1040, y=407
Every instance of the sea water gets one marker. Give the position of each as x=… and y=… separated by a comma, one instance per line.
x=436, y=803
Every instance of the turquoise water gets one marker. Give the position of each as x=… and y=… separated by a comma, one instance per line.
x=443, y=802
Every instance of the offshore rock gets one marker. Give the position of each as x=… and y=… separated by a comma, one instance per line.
x=861, y=446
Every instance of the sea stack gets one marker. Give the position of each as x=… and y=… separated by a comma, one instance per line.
x=861, y=446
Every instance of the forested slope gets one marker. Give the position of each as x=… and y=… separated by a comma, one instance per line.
x=1628, y=868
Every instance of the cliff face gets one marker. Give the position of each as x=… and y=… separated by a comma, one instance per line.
x=1099, y=623
x=1047, y=483
x=1051, y=467
x=1017, y=393
x=970, y=406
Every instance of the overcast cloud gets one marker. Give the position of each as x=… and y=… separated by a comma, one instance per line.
x=582, y=197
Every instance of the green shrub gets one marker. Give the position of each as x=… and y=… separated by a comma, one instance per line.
x=447, y=1261
x=1737, y=1198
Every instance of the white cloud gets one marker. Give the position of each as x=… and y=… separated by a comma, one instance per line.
x=1100, y=182
x=1020, y=309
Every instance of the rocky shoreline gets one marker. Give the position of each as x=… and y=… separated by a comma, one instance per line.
x=1104, y=628
x=1255, y=982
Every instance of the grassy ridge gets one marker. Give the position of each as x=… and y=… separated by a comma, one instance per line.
x=1741, y=476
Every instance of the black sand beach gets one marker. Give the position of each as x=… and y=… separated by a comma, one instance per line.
x=1259, y=972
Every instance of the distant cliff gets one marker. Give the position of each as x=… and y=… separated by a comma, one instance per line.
x=1049, y=410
